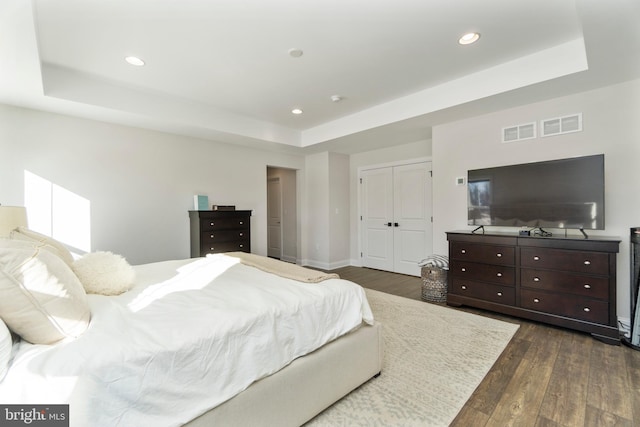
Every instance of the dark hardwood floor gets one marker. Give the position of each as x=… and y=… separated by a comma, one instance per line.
x=545, y=377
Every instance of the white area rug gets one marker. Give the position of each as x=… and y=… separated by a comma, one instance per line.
x=435, y=357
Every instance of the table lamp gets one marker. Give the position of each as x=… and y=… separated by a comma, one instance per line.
x=12, y=217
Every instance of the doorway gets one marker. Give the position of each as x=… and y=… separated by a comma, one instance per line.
x=282, y=222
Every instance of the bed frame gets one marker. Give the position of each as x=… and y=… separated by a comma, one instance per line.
x=307, y=386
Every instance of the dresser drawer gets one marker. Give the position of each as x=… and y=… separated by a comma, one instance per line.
x=217, y=247
x=212, y=224
x=218, y=236
x=484, y=291
x=559, y=259
x=572, y=306
x=488, y=254
x=570, y=283
x=500, y=274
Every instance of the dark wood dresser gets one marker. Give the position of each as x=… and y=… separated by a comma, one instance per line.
x=563, y=281
x=219, y=231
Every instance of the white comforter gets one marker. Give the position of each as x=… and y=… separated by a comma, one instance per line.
x=190, y=335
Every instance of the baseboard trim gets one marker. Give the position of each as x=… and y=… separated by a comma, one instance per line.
x=325, y=266
x=290, y=259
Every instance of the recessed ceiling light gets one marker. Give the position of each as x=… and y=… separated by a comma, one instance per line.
x=133, y=60
x=296, y=111
x=295, y=52
x=469, y=38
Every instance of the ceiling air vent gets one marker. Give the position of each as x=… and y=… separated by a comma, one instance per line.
x=561, y=125
x=519, y=132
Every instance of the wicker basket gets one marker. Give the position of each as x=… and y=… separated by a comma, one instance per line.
x=434, y=284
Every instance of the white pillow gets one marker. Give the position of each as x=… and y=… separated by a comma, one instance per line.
x=104, y=273
x=41, y=300
x=23, y=233
x=5, y=349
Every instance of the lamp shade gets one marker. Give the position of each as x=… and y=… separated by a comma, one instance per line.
x=12, y=217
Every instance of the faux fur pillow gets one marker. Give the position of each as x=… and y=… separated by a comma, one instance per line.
x=104, y=273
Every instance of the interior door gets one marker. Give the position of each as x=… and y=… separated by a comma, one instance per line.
x=377, y=218
x=396, y=217
x=412, y=231
x=274, y=218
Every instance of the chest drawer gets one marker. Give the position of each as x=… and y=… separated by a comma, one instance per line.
x=559, y=259
x=218, y=236
x=488, y=254
x=582, y=308
x=504, y=275
x=213, y=224
x=484, y=291
x=570, y=283
x=231, y=246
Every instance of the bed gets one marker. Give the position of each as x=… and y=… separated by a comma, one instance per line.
x=201, y=342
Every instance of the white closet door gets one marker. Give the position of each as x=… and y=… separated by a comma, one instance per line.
x=274, y=218
x=396, y=217
x=412, y=238
x=377, y=218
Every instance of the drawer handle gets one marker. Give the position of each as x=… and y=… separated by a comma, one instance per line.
x=536, y=279
x=463, y=269
x=536, y=258
x=213, y=223
x=211, y=249
x=242, y=246
x=499, y=294
x=241, y=223
x=536, y=300
x=587, y=286
x=241, y=234
x=463, y=287
x=211, y=236
x=587, y=262
x=499, y=274
x=499, y=255
x=463, y=251
x=587, y=309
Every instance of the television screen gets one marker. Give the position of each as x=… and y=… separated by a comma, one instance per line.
x=565, y=193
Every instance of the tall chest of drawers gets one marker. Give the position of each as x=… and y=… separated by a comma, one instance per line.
x=568, y=282
x=220, y=231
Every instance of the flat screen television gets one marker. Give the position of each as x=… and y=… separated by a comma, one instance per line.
x=565, y=193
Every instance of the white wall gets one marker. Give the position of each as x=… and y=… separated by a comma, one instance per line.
x=315, y=224
x=385, y=156
x=326, y=198
x=610, y=126
x=140, y=183
x=339, y=197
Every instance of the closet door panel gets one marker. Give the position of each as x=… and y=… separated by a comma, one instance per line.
x=377, y=219
x=412, y=217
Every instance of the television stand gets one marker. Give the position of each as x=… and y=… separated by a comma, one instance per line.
x=568, y=282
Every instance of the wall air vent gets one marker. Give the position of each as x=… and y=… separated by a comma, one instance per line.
x=561, y=125
x=519, y=132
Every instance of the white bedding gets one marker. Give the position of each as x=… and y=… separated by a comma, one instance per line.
x=180, y=343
